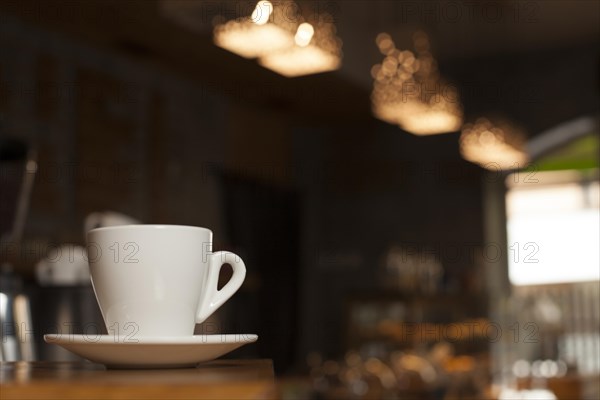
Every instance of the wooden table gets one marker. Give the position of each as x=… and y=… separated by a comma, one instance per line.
x=220, y=379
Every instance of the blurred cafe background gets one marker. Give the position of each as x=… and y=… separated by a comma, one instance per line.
x=413, y=185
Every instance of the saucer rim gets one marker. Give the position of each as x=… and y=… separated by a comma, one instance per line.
x=151, y=355
x=225, y=338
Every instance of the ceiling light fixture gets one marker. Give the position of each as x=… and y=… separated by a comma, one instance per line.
x=408, y=90
x=264, y=32
x=494, y=146
x=283, y=40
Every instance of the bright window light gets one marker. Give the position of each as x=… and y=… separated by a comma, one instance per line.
x=553, y=233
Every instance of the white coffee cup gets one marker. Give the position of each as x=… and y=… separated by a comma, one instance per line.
x=158, y=280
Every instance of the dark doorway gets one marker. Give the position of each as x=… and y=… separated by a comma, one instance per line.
x=262, y=223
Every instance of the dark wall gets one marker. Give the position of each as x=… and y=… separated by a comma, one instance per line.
x=370, y=188
x=537, y=89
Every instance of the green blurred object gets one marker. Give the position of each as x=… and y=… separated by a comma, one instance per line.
x=581, y=154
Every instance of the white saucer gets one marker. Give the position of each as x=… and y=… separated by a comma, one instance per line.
x=150, y=352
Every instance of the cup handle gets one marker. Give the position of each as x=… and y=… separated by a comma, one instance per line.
x=213, y=298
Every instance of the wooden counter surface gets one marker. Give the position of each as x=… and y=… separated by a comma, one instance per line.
x=220, y=379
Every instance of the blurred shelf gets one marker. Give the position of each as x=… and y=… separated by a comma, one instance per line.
x=399, y=320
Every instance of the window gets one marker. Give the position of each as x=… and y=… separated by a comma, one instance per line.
x=553, y=223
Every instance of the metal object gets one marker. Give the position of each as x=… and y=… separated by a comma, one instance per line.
x=16, y=329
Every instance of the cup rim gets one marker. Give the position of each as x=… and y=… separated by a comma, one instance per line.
x=149, y=226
